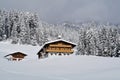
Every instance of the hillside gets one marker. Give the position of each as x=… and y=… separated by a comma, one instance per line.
x=56, y=67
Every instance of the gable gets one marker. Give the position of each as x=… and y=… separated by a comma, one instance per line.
x=62, y=42
x=59, y=43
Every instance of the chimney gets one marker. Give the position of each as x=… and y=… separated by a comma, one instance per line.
x=59, y=36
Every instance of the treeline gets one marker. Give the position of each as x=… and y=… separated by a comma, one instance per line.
x=27, y=28
x=99, y=41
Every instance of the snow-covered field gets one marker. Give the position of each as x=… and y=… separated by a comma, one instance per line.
x=56, y=67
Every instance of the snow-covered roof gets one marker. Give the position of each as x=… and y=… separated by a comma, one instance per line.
x=60, y=40
x=16, y=53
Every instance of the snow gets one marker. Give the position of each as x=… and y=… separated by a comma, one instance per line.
x=56, y=67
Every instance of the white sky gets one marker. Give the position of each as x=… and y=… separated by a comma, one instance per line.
x=55, y=11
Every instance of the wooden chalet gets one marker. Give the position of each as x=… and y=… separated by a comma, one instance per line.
x=57, y=47
x=17, y=56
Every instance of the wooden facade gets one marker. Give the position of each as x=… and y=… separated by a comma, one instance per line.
x=56, y=47
x=17, y=56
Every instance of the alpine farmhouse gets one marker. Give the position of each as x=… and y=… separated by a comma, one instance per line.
x=57, y=47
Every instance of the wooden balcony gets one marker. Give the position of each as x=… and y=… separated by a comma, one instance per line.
x=59, y=51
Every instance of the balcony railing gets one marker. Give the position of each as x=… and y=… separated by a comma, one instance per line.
x=59, y=50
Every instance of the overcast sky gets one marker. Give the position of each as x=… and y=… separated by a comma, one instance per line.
x=55, y=11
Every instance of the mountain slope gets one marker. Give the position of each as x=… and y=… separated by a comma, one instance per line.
x=56, y=67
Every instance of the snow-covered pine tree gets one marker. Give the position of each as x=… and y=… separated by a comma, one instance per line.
x=33, y=25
